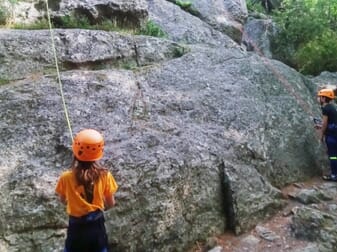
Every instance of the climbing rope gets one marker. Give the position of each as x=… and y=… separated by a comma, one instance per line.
x=58, y=72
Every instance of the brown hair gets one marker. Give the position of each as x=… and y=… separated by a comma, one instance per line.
x=86, y=174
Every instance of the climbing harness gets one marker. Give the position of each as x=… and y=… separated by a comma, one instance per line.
x=58, y=72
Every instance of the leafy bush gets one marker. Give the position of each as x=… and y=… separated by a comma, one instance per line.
x=318, y=55
x=300, y=22
x=254, y=6
x=4, y=15
x=306, y=28
x=4, y=81
x=40, y=24
x=82, y=22
x=267, y=5
x=152, y=29
x=71, y=21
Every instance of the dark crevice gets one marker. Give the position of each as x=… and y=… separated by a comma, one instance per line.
x=41, y=228
x=137, y=54
x=100, y=64
x=228, y=200
x=125, y=19
x=120, y=19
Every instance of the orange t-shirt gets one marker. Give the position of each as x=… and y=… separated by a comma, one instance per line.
x=77, y=206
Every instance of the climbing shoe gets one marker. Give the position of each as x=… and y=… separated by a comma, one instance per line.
x=330, y=177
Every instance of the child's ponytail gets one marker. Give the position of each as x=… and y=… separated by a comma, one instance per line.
x=86, y=174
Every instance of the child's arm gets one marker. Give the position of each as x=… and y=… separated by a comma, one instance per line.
x=109, y=202
x=110, y=190
x=324, y=126
x=63, y=199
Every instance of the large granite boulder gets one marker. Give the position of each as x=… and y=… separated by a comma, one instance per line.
x=199, y=136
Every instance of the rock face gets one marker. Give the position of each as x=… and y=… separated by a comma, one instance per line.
x=22, y=54
x=325, y=79
x=199, y=136
x=225, y=16
x=257, y=36
x=317, y=222
x=126, y=13
x=183, y=27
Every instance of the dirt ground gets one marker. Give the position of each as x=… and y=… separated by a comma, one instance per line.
x=278, y=225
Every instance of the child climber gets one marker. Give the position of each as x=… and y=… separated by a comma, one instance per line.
x=329, y=129
x=87, y=189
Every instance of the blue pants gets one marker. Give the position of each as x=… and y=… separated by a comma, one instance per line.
x=331, y=142
x=87, y=234
x=104, y=250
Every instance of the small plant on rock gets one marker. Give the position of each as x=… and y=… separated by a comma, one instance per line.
x=187, y=6
x=183, y=4
x=152, y=29
x=40, y=24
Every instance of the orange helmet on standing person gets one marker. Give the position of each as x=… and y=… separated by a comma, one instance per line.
x=88, y=145
x=326, y=92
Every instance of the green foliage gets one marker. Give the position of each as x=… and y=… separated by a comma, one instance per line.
x=40, y=24
x=4, y=81
x=6, y=10
x=307, y=29
x=183, y=4
x=82, y=22
x=318, y=55
x=187, y=6
x=263, y=6
x=252, y=6
x=71, y=21
x=299, y=22
x=108, y=25
x=178, y=52
x=128, y=65
x=4, y=15
x=152, y=29
x=13, y=1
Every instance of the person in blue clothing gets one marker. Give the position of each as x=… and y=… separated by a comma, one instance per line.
x=328, y=129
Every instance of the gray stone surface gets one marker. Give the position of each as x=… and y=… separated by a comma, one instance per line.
x=257, y=35
x=184, y=27
x=225, y=16
x=199, y=137
x=22, y=54
x=317, y=226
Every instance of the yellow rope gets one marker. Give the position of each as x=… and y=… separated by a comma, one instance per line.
x=58, y=72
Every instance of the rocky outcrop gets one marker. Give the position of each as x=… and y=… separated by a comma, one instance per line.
x=23, y=54
x=317, y=221
x=180, y=142
x=125, y=13
x=198, y=136
x=325, y=79
x=225, y=16
x=183, y=27
x=257, y=36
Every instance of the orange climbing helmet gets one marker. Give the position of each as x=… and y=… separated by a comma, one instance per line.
x=88, y=145
x=326, y=92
